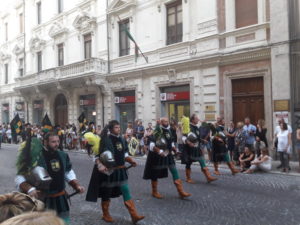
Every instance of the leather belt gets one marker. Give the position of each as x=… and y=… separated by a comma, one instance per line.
x=57, y=194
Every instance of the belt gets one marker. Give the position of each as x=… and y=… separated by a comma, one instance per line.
x=57, y=194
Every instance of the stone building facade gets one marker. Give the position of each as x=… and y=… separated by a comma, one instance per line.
x=211, y=57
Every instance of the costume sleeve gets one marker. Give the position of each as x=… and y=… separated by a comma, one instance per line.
x=19, y=180
x=70, y=176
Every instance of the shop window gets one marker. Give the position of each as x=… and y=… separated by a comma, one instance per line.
x=174, y=22
x=87, y=104
x=245, y=13
x=124, y=42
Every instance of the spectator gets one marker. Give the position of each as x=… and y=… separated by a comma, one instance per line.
x=140, y=135
x=35, y=218
x=261, y=131
x=284, y=146
x=258, y=146
x=148, y=137
x=98, y=130
x=246, y=158
x=230, y=133
x=250, y=132
x=129, y=132
x=298, y=145
x=240, y=141
x=277, y=130
x=263, y=162
x=16, y=203
x=173, y=128
x=8, y=135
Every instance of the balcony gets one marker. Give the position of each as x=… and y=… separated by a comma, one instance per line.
x=79, y=70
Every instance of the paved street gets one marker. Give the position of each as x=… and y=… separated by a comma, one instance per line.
x=259, y=199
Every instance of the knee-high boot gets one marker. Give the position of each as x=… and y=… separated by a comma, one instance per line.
x=181, y=192
x=216, y=166
x=155, y=193
x=188, y=173
x=208, y=176
x=105, y=209
x=132, y=211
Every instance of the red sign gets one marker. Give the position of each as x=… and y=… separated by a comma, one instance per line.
x=125, y=99
x=87, y=102
x=175, y=96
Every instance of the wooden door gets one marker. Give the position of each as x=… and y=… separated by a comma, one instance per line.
x=61, y=110
x=248, y=99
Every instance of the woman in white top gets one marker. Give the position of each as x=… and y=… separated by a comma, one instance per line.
x=284, y=146
x=263, y=162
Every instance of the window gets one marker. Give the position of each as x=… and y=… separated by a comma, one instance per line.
x=174, y=22
x=87, y=46
x=59, y=6
x=6, y=73
x=245, y=13
x=60, y=54
x=21, y=67
x=21, y=23
x=39, y=61
x=6, y=31
x=124, y=43
x=39, y=12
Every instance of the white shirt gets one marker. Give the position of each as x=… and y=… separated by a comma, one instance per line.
x=283, y=140
x=278, y=129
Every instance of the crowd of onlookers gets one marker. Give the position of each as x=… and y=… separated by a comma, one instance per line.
x=245, y=141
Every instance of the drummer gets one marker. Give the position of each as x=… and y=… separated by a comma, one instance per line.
x=105, y=186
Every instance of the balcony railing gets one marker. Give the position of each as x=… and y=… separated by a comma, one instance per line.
x=82, y=68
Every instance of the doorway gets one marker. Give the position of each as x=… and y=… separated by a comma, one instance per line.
x=61, y=110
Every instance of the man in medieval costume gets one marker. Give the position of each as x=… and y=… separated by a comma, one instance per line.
x=193, y=150
x=160, y=159
x=109, y=177
x=219, y=147
x=56, y=168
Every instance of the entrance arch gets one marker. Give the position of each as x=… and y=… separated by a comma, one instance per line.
x=61, y=110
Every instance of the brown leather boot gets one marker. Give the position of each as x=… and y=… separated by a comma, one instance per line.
x=105, y=209
x=132, y=211
x=181, y=192
x=155, y=193
x=209, y=178
x=188, y=176
x=216, y=172
x=232, y=168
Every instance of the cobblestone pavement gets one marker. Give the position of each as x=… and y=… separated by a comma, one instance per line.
x=258, y=199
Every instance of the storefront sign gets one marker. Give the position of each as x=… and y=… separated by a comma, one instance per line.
x=124, y=99
x=175, y=96
x=281, y=105
x=87, y=102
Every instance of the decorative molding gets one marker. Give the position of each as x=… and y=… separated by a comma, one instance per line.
x=172, y=75
x=118, y=6
x=4, y=56
x=17, y=50
x=174, y=52
x=244, y=38
x=36, y=44
x=84, y=22
x=57, y=30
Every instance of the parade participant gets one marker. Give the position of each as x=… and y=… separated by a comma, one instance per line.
x=160, y=160
x=193, y=151
x=219, y=148
x=105, y=186
x=33, y=155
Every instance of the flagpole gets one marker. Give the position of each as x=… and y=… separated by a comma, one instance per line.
x=136, y=45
